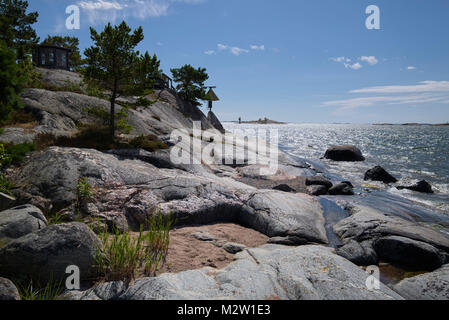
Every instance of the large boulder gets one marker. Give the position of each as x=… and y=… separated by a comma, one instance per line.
x=342, y=189
x=8, y=290
x=361, y=254
x=268, y=272
x=128, y=191
x=379, y=174
x=20, y=221
x=394, y=238
x=429, y=286
x=44, y=255
x=409, y=253
x=344, y=153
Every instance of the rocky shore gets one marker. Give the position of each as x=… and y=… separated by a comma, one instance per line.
x=315, y=235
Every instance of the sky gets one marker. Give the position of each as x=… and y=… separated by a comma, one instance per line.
x=290, y=60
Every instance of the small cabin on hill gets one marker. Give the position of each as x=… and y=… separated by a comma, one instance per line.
x=52, y=57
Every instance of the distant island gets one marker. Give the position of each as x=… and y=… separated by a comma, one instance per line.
x=412, y=124
x=262, y=121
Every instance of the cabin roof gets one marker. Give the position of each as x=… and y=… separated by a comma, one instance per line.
x=53, y=47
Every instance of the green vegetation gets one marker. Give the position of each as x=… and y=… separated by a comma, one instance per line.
x=120, y=118
x=14, y=154
x=149, y=143
x=72, y=43
x=83, y=192
x=51, y=291
x=5, y=184
x=190, y=83
x=11, y=82
x=15, y=27
x=124, y=254
x=112, y=61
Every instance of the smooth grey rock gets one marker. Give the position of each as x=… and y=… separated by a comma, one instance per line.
x=369, y=224
x=233, y=248
x=284, y=188
x=379, y=174
x=361, y=254
x=318, y=181
x=344, y=153
x=429, y=286
x=203, y=236
x=317, y=190
x=280, y=214
x=59, y=78
x=8, y=290
x=215, y=122
x=128, y=191
x=106, y=291
x=20, y=221
x=268, y=272
x=6, y=201
x=44, y=255
x=411, y=253
x=343, y=189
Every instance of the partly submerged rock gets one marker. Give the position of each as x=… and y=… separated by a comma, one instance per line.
x=317, y=190
x=8, y=290
x=44, y=255
x=318, y=181
x=369, y=224
x=268, y=272
x=344, y=153
x=409, y=253
x=361, y=254
x=379, y=174
x=343, y=189
x=429, y=286
x=20, y=221
x=422, y=186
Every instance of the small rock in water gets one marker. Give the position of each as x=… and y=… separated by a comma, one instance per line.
x=318, y=181
x=379, y=174
x=344, y=153
x=317, y=190
x=343, y=189
x=422, y=186
x=284, y=188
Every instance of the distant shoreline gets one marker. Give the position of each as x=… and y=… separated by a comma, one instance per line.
x=412, y=124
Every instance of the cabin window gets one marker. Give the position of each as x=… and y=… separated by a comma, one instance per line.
x=63, y=60
x=43, y=59
x=52, y=58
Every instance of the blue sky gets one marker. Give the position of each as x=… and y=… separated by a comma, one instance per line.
x=291, y=60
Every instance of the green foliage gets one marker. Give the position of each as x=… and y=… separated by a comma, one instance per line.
x=123, y=254
x=11, y=82
x=120, y=118
x=83, y=192
x=190, y=83
x=50, y=291
x=72, y=43
x=149, y=143
x=15, y=153
x=147, y=73
x=20, y=116
x=112, y=61
x=5, y=185
x=56, y=218
x=15, y=27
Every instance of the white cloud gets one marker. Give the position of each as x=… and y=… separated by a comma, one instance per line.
x=371, y=60
x=411, y=68
x=354, y=66
x=421, y=93
x=209, y=52
x=257, y=48
x=423, y=86
x=236, y=51
x=101, y=11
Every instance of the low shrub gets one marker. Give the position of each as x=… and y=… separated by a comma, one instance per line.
x=19, y=117
x=5, y=185
x=16, y=153
x=149, y=143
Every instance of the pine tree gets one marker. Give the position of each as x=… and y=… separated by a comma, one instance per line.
x=111, y=62
x=11, y=82
x=15, y=27
x=191, y=83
